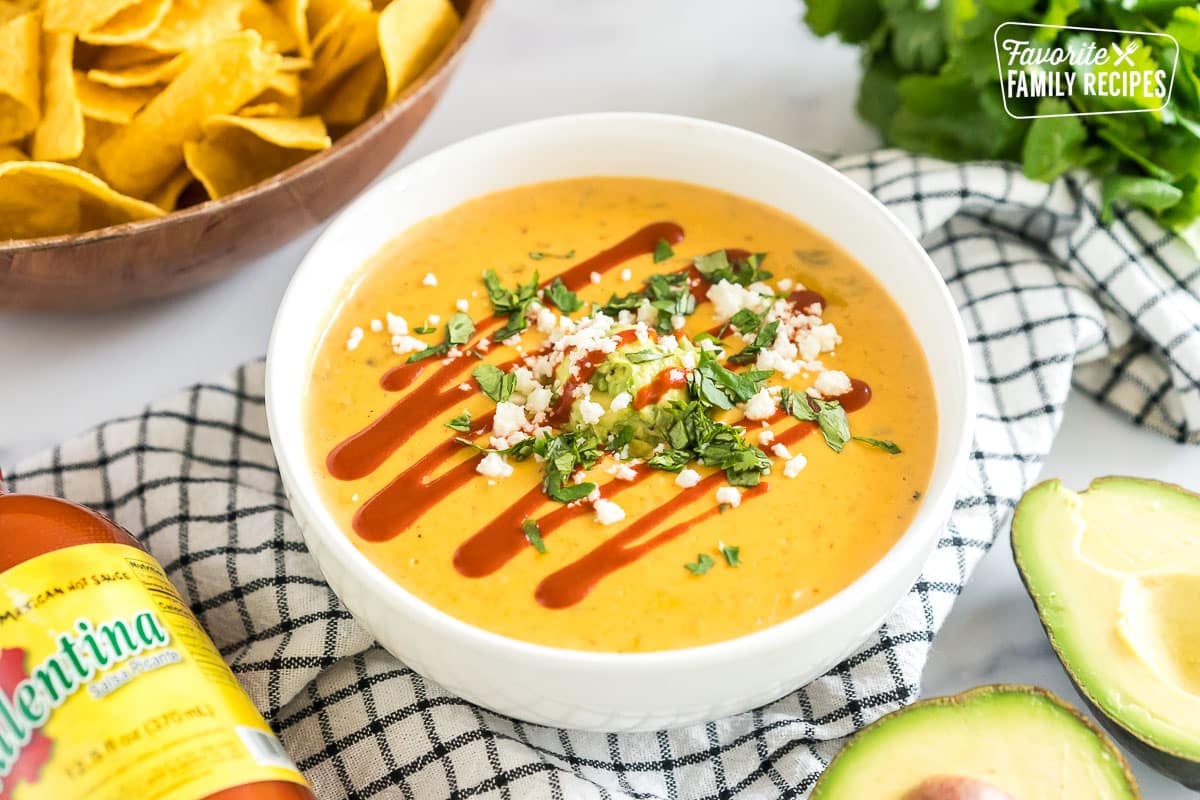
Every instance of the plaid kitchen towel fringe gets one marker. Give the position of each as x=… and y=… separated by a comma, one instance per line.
x=1046, y=292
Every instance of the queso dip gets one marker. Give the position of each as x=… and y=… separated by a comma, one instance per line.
x=619, y=414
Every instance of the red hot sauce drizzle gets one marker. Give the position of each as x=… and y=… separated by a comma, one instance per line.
x=417, y=489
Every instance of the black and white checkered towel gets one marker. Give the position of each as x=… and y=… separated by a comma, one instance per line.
x=1046, y=293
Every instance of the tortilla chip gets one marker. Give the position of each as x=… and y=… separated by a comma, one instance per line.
x=275, y=30
x=166, y=196
x=192, y=24
x=10, y=152
x=59, y=134
x=219, y=79
x=294, y=64
x=343, y=43
x=132, y=24
x=238, y=152
x=411, y=35
x=295, y=13
x=111, y=105
x=80, y=16
x=321, y=13
x=95, y=133
x=358, y=96
x=147, y=73
x=41, y=198
x=282, y=92
x=121, y=56
x=265, y=110
x=20, y=85
x=11, y=9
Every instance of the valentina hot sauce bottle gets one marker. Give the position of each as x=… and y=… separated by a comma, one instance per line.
x=109, y=687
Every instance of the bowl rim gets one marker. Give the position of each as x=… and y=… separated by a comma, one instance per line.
x=920, y=535
x=446, y=61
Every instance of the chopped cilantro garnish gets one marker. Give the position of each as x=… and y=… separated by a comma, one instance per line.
x=461, y=423
x=459, y=330
x=538, y=255
x=533, y=535
x=831, y=419
x=558, y=294
x=882, y=444
x=703, y=563
x=717, y=387
x=510, y=303
x=662, y=251
x=667, y=293
x=642, y=356
x=731, y=553
x=562, y=454
x=746, y=321
x=717, y=266
x=692, y=435
x=495, y=382
x=764, y=338
x=424, y=329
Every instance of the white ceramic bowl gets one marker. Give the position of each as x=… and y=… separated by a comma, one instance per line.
x=614, y=691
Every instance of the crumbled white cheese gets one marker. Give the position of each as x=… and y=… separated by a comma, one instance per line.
x=525, y=383
x=678, y=321
x=832, y=383
x=356, y=337
x=688, y=359
x=461, y=304
x=779, y=450
x=376, y=326
x=539, y=400
x=509, y=418
x=547, y=320
x=784, y=284
x=766, y=437
x=590, y=412
x=730, y=496
x=594, y=277
x=608, y=512
x=729, y=298
x=761, y=405
x=668, y=344
x=493, y=465
x=464, y=387
x=396, y=325
x=429, y=280
x=794, y=466
x=621, y=401
x=626, y=473
x=406, y=344
x=687, y=478
x=646, y=313
x=433, y=319
x=627, y=274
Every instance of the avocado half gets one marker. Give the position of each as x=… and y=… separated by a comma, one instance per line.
x=991, y=743
x=1114, y=572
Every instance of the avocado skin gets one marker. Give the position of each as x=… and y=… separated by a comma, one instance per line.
x=1175, y=767
x=821, y=788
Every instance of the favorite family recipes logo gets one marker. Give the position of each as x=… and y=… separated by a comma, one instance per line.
x=1061, y=71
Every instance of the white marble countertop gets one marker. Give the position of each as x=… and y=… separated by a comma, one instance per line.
x=751, y=64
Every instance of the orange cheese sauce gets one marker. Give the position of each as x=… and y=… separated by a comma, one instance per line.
x=801, y=539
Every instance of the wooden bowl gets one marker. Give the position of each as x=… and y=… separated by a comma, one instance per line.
x=141, y=261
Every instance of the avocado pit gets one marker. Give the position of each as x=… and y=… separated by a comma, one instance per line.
x=956, y=787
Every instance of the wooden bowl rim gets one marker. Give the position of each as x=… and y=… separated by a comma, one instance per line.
x=446, y=60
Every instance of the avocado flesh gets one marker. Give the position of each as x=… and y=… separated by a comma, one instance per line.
x=1019, y=739
x=1115, y=575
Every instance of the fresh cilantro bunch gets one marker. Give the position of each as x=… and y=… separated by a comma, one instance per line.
x=931, y=85
x=692, y=435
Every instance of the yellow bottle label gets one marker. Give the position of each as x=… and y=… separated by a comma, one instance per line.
x=111, y=690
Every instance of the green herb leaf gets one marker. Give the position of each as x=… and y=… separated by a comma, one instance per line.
x=662, y=251
x=461, y=423
x=495, y=382
x=459, y=329
x=429, y=352
x=570, y=492
x=642, y=356
x=703, y=563
x=746, y=321
x=670, y=460
x=510, y=303
x=882, y=444
x=538, y=255
x=712, y=264
x=533, y=535
x=731, y=553
x=833, y=423
x=764, y=338
x=424, y=329
x=558, y=294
